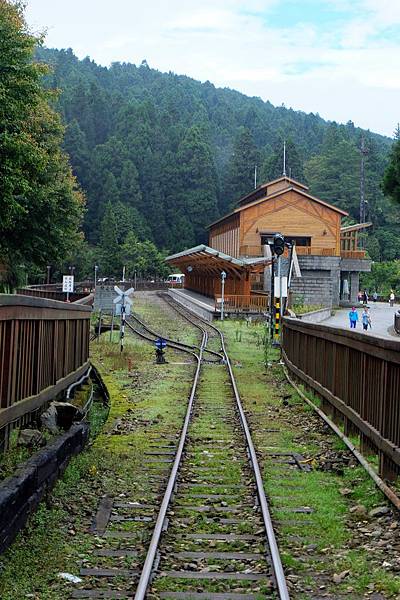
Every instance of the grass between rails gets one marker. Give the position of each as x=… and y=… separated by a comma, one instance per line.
x=327, y=533
x=150, y=401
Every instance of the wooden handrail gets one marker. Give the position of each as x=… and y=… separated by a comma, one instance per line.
x=44, y=344
x=357, y=376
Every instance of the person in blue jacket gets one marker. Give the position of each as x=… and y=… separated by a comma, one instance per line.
x=353, y=316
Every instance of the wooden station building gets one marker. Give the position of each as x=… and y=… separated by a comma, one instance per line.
x=238, y=243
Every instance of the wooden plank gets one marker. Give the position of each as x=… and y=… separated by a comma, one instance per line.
x=214, y=575
x=208, y=596
x=98, y=572
x=103, y=515
x=220, y=555
x=98, y=593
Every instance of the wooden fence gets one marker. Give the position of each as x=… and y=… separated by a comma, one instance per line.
x=51, y=294
x=239, y=304
x=358, y=378
x=44, y=347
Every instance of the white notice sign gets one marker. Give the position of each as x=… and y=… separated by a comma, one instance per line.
x=68, y=283
x=277, y=293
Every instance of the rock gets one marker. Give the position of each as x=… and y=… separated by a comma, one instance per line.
x=345, y=491
x=30, y=438
x=48, y=419
x=69, y=577
x=338, y=578
x=358, y=509
x=379, y=511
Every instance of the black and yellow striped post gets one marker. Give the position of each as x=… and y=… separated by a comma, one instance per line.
x=277, y=321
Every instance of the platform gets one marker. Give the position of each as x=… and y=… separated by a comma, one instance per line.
x=197, y=303
x=235, y=306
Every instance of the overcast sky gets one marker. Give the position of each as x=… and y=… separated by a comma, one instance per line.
x=340, y=58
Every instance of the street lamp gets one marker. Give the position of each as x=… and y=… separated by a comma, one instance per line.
x=48, y=273
x=223, y=277
x=96, y=268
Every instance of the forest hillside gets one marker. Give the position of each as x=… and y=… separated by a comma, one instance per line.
x=166, y=155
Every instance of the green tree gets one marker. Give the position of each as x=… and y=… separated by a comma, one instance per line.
x=41, y=206
x=240, y=169
x=272, y=167
x=111, y=259
x=391, y=178
x=197, y=182
x=142, y=257
x=334, y=175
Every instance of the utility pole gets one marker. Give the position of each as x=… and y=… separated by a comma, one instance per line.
x=364, y=152
x=255, y=176
x=284, y=158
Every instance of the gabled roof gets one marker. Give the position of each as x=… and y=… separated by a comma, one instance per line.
x=265, y=186
x=205, y=256
x=275, y=195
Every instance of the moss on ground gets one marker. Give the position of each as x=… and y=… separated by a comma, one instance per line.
x=328, y=530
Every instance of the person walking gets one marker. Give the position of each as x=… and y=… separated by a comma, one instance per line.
x=366, y=319
x=365, y=297
x=391, y=298
x=353, y=316
x=375, y=296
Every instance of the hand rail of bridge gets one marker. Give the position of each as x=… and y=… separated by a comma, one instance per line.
x=44, y=347
x=358, y=378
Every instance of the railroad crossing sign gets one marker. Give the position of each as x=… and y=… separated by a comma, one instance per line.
x=123, y=300
x=122, y=307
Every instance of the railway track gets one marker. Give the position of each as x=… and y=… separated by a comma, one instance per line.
x=212, y=536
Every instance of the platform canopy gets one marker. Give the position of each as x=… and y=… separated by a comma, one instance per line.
x=207, y=259
x=203, y=266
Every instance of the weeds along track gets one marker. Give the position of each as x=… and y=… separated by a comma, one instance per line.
x=209, y=536
x=219, y=541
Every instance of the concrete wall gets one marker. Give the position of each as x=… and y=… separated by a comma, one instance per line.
x=316, y=316
x=21, y=493
x=320, y=280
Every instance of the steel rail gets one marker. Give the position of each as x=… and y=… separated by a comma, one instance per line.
x=272, y=543
x=181, y=311
x=183, y=344
x=170, y=343
x=155, y=539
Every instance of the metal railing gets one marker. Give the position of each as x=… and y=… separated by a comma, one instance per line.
x=358, y=378
x=44, y=347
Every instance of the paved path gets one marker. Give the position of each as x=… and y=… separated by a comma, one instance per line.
x=382, y=317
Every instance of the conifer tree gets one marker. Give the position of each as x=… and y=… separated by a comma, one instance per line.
x=40, y=206
x=391, y=178
x=109, y=243
x=273, y=165
x=240, y=169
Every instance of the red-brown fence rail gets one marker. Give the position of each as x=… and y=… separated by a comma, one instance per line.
x=44, y=347
x=358, y=378
x=51, y=294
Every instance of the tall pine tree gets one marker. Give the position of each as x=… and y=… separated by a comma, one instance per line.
x=240, y=169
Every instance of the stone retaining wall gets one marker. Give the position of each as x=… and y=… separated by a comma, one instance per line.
x=20, y=494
